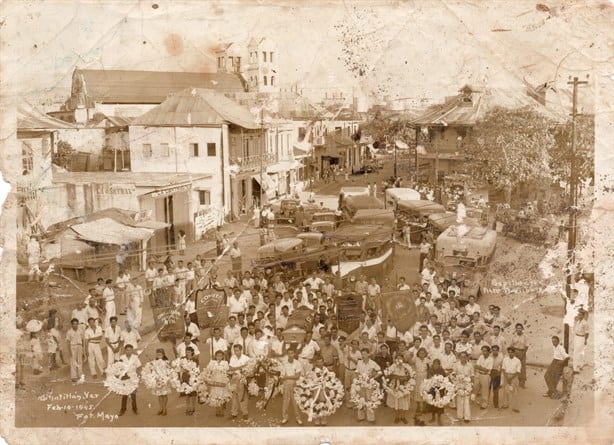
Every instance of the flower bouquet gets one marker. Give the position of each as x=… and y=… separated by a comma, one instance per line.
x=319, y=393
x=181, y=366
x=244, y=373
x=463, y=384
x=358, y=392
x=120, y=380
x=399, y=385
x=157, y=376
x=212, y=387
x=437, y=391
x=252, y=388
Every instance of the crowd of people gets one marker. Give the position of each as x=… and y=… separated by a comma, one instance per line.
x=449, y=338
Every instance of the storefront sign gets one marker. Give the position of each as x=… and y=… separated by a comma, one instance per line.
x=115, y=189
x=169, y=191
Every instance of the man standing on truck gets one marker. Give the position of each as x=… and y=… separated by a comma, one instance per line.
x=425, y=249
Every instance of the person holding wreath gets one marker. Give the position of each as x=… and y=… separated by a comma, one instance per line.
x=463, y=369
x=421, y=366
x=239, y=390
x=367, y=367
x=132, y=363
x=399, y=375
x=219, y=393
x=436, y=369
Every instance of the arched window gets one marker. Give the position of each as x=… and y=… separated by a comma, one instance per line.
x=264, y=80
x=272, y=79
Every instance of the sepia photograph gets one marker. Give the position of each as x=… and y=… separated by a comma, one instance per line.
x=352, y=221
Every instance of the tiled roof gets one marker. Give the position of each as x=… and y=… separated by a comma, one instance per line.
x=150, y=87
x=198, y=107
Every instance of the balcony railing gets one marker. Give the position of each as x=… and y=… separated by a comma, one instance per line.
x=255, y=161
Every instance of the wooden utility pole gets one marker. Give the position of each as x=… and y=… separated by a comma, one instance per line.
x=573, y=204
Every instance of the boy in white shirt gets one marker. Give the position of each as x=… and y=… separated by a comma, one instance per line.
x=133, y=364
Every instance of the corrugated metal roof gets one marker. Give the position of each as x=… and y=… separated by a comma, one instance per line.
x=457, y=111
x=31, y=119
x=109, y=231
x=150, y=87
x=198, y=107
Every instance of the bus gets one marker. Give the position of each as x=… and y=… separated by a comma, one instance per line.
x=415, y=213
x=352, y=204
x=395, y=194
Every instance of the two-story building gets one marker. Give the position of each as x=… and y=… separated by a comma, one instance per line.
x=198, y=132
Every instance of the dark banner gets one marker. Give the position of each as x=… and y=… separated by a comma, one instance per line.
x=400, y=309
x=211, y=308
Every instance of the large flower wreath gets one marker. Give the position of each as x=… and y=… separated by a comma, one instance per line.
x=212, y=387
x=437, y=391
x=360, y=385
x=272, y=368
x=120, y=380
x=244, y=373
x=180, y=366
x=318, y=393
x=463, y=384
x=157, y=376
x=397, y=385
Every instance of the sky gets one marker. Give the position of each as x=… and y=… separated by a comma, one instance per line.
x=396, y=49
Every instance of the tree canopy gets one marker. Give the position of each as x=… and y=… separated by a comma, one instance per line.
x=511, y=147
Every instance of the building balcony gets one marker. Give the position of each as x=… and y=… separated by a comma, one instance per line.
x=254, y=161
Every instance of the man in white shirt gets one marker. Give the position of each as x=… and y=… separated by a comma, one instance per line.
x=497, y=338
x=158, y=280
x=580, y=331
x=80, y=313
x=472, y=306
x=314, y=281
x=308, y=351
x=192, y=328
x=130, y=336
x=403, y=284
x=217, y=343
x=108, y=297
x=132, y=364
x=248, y=282
x=187, y=341
x=259, y=346
x=465, y=369
x=93, y=337
x=437, y=348
x=448, y=359
x=373, y=289
x=510, y=369
x=291, y=370
x=555, y=370
x=244, y=340
x=112, y=337
x=282, y=320
x=91, y=310
x=237, y=302
x=367, y=366
x=232, y=331
x=328, y=288
x=258, y=302
x=239, y=399
x=483, y=367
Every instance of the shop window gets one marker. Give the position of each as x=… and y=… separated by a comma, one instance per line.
x=164, y=150
x=194, y=150
x=147, y=150
x=264, y=56
x=265, y=81
x=204, y=197
x=211, y=149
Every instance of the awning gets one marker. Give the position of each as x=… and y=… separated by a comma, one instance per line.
x=302, y=148
x=108, y=231
x=283, y=166
x=269, y=184
x=150, y=224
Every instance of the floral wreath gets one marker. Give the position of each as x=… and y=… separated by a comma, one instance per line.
x=244, y=373
x=181, y=365
x=209, y=378
x=463, y=384
x=360, y=385
x=157, y=375
x=120, y=380
x=432, y=388
x=319, y=393
x=401, y=390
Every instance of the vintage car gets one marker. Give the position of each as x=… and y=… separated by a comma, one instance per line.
x=463, y=253
x=384, y=217
x=348, y=191
x=415, y=213
x=439, y=222
x=286, y=212
x=293, y=257
x=324, y=221
x=360, y=249
x=354, y=203
x=395, y=194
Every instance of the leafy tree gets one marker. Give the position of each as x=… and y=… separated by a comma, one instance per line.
x=511, y=147
x=560, y=152
x=63, y=154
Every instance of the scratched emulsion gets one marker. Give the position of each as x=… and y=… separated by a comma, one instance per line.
x=402, y=49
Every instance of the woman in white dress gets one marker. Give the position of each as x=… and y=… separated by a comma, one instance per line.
x=162, y=392
x=134, y=294
x=217, y=383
